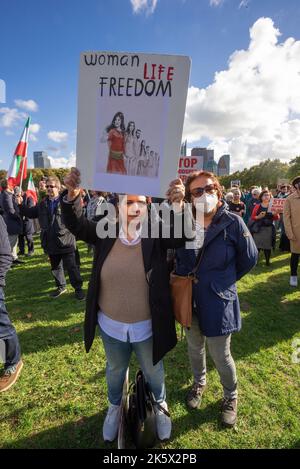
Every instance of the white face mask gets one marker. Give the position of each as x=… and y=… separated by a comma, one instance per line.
x=206, y=203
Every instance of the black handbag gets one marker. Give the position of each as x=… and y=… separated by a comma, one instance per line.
x=141, y=413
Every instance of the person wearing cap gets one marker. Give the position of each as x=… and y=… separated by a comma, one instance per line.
x=291, y=220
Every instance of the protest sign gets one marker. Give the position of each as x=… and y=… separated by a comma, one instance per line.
x=235, y=183
x=130, y=118
x=189, y=164
x=277, y=205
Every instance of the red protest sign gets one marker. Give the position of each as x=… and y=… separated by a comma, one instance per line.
x=277, y=205
x=189, y=164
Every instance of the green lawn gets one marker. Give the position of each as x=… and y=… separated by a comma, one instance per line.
x=60, y=398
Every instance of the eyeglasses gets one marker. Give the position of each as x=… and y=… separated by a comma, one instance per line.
x=198, y=191
x=50, y=187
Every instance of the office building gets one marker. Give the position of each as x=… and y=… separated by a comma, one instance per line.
x=41, y=160
x=224, y=165
x=208, y=156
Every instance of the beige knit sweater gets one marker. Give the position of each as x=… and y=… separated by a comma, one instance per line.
x=124, y=291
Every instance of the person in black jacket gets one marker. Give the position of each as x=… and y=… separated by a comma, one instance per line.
x=9, y=343
x=129, y=295
x=12, y=218
x=28, y=228
x=57, y=241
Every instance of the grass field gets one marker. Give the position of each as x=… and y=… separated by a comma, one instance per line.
x=60, y=398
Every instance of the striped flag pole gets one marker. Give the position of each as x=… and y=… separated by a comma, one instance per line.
x=24, y=138
x=18, y=168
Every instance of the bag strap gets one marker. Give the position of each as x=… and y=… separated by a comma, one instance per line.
x=198, y=261
x=157, y=405
x=148, y=392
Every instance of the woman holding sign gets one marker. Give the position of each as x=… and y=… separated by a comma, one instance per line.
x=129, y=296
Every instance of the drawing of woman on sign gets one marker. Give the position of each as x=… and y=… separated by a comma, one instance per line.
x=130, y=157
x=116, y=145
x=142, y=160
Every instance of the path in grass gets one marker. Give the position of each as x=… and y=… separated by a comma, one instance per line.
x=60, y=398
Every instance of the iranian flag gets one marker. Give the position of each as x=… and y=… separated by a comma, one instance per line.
x=31, y=190
x=18, y=168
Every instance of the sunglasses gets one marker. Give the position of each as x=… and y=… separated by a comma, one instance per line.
x=50, y=187
x=198, y=191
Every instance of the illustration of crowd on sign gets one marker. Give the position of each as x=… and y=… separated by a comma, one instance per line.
x=128, y=152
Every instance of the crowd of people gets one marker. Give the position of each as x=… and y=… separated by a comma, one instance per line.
x=255, y=207
x=129, y=299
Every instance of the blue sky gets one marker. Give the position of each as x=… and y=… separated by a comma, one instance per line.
x=40, y=44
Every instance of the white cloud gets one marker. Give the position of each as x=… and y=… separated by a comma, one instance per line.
x=144, y=5
x=62, y=162
x=57, y=136
x=29, y=106
x=252, y=109
x=215, y=3
x=10, y=117
x=34, y=128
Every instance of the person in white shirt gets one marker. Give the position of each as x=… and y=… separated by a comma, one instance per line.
x=129, y=296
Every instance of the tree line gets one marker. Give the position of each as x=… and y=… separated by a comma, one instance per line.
x=265, y=173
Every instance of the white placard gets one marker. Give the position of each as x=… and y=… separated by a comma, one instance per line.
x=130, y=118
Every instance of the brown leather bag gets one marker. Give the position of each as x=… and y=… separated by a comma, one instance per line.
x=182, y=294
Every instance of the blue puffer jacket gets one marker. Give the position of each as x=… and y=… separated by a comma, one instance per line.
x=229, y=253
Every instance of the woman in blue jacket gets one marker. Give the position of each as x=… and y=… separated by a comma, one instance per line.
x=227, y=252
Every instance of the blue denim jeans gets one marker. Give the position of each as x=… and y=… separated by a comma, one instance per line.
x=9, y=336
x=118, y=357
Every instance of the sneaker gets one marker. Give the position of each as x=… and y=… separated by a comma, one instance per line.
x=229, y=412
x=10, y=376
x=59, y=291
x=293, y=281
x=163, y=422
x=194, y=396
x=79, y=295
x=111, y=423
x=30, y=253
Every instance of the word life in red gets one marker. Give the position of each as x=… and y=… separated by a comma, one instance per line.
x=156, y=72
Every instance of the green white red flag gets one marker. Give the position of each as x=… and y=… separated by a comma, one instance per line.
x=31, y=190
x=18, y=169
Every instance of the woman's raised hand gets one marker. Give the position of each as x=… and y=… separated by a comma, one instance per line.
x=72, y=183
x=176, y=192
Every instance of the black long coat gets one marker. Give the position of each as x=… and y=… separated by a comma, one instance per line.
x=28, y=226
x=55, y=237
x=156, y=270
x=11, y=213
